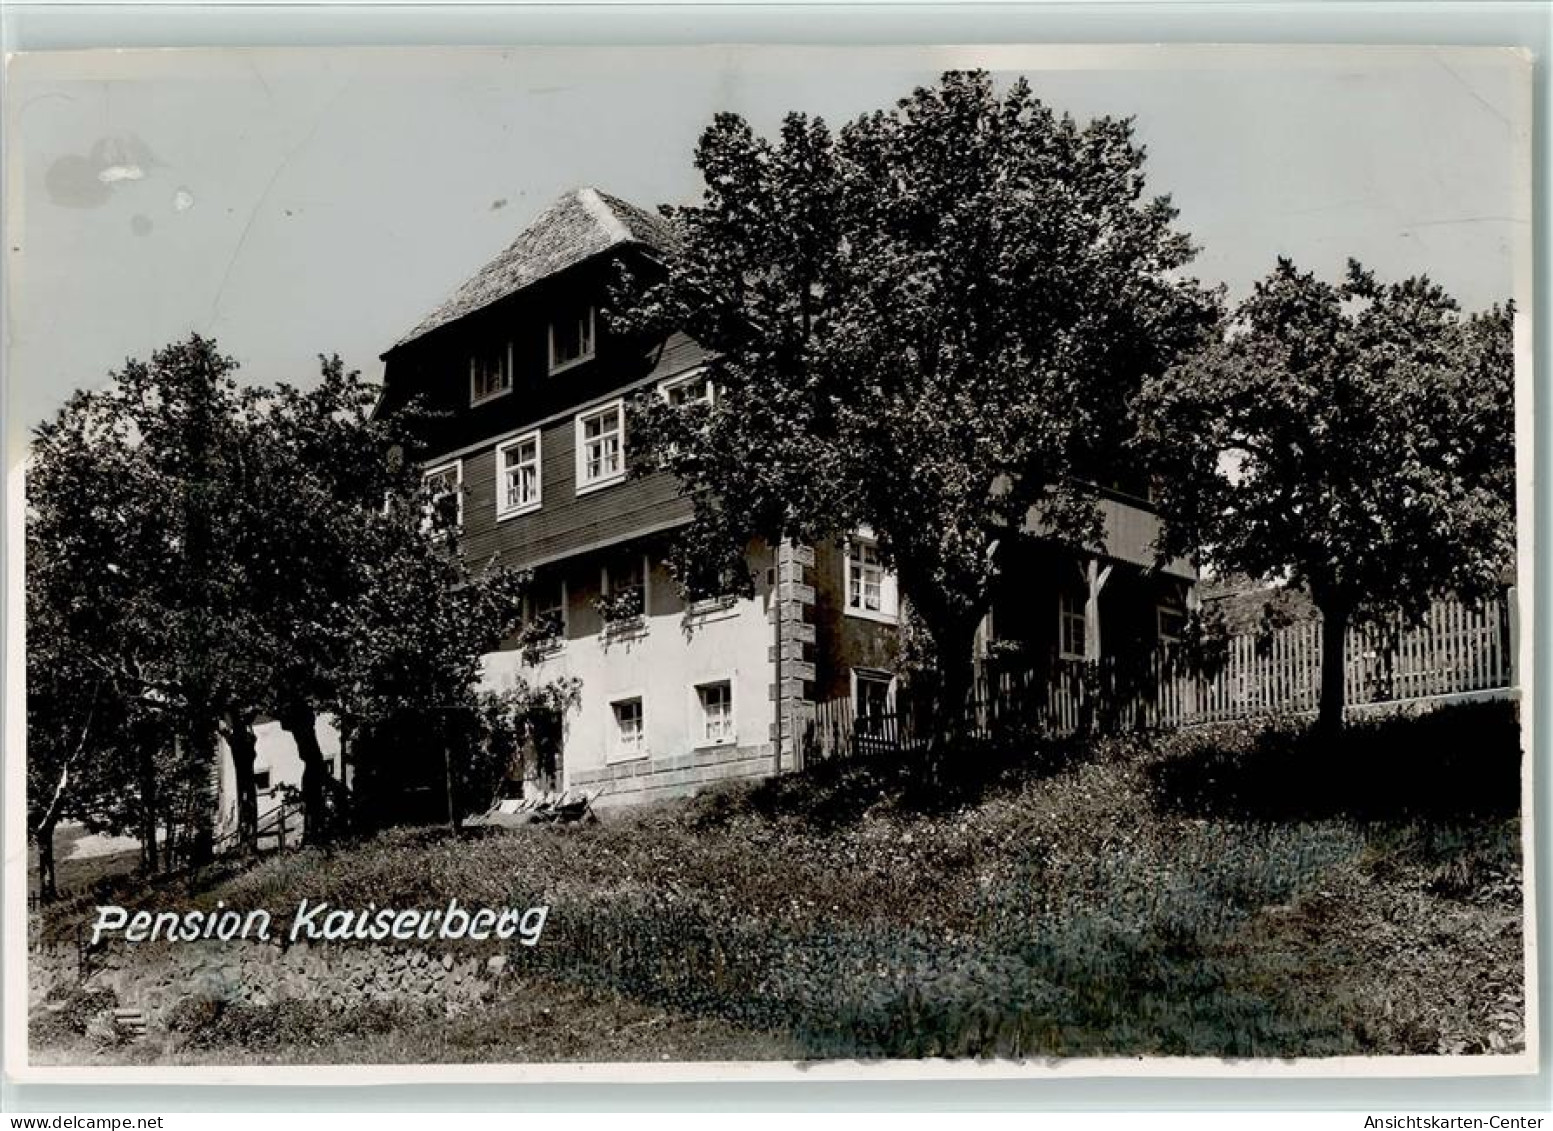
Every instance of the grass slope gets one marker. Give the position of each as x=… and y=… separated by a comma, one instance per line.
x=1237, y=892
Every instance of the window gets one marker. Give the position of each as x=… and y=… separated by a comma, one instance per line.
x=716, y=703
x=696, y=386
x=870, y=587
x=571, y=339
x=692, y=389
x=261, y=780
x=547, y=610
x=1070, y=625
x=1171, y=623
x=871, y=695
x=490, y=373
x=517, y=476
x=714, y=585
x=623, y=590
x=601, y=447
x=630, y=735
x=443, y=505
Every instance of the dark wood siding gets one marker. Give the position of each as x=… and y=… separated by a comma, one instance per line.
x=843, y=642
x=566, y=522
x=436, y=368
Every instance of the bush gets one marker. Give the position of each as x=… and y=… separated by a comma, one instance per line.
x=1453, y=762
x=67, y=1012
x=205, y=1022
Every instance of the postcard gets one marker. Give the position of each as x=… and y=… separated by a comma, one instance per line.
x=742, y=562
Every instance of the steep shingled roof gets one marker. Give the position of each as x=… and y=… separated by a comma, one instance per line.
x=576, y=227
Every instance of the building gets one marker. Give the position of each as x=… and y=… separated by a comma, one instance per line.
x=675, y=694
x=532, y=458
x=535, y=452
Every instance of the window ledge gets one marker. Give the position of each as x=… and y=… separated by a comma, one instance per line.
x=618, y=757
x=496, y=396
x=712, y=609
x=877, y=617
x=631, y=626
x=600, y=484
x=516, y=512
x=572, y=364
x=715, y=743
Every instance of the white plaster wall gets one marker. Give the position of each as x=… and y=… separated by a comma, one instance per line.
x=277, y=754
x=662, y=665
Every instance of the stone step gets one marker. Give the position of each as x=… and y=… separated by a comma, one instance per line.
x=131, y=1022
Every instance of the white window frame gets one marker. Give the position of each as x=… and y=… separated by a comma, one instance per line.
x=1161, y=611
x=585, y=484
x=457, y=467
x=871, y=675
x=1071, y=605
x=700, y=739
x=618, y=752
x=667, y=386
x=511, y=510
x=888, y=611
x=476, y=397
x=587, y=355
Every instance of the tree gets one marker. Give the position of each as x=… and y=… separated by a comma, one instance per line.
x=408, y=691
x=371, y=612
x=1354, y=440
x=929, y=325
x=201, y=554
x=127, y=581
x=66, y=712
x=310, y=524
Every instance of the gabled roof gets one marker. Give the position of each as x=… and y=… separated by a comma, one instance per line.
x=576, y=227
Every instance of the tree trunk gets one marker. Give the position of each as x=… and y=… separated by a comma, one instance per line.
x=48, y=889
x=302, y=724
x=244, y=746
x=146, y=757
x=1334, y=628
x=954, y=643
x=172, y=843
x=200, y=811
x=455, y=822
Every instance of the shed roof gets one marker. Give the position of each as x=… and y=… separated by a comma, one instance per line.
x=578, y=226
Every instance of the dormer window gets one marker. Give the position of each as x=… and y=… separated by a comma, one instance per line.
x=490, y=373
x=571, y=339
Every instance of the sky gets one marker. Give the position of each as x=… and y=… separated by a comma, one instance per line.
x=303, y=201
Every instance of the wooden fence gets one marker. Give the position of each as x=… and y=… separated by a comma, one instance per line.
x=1457, y=649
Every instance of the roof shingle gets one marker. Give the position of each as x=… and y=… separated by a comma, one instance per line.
x=578, y=226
